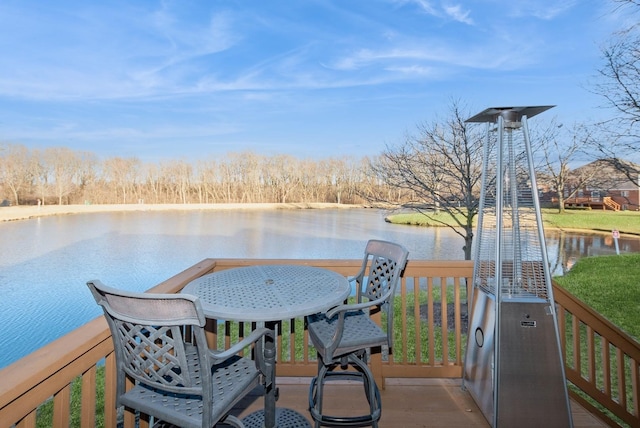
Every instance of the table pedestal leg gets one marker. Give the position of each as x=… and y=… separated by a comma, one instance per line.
x=271, y=416
x=271, y=390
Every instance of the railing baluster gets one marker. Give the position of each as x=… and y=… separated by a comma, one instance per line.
x=88, y=394
x=458, y=323
x=417, y=353
x=562, y=319
x=606, y=367
x=635, y=376
x=591, y=358
x=444, y=329
x=622, y=382
x=305, y=347
x=430, y=323
x=576, y=344
x=402, y=358
x=110, y=413
x=61, y=407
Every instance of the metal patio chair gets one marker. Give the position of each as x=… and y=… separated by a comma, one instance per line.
x=160, y=344
x=344, y=335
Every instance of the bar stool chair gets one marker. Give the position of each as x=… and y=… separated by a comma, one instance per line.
x=344, y=335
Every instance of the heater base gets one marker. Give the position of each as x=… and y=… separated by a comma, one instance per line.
x=525, y=386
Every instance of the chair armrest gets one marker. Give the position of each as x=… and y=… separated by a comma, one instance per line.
x=355, y=306
x=340, y=311
x=255, y=336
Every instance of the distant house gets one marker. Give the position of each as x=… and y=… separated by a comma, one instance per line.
x=606, y=187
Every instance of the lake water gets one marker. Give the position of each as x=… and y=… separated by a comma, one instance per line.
x=45, y=262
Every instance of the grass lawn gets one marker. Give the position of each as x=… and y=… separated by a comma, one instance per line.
x=418, y=219
x=611, y=286
x=606, y=221
x=602, y=221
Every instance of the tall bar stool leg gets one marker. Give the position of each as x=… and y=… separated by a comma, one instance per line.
x=372, y=393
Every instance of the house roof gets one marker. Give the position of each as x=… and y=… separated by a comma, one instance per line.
x=607, y=176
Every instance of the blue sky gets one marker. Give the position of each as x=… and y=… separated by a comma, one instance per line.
x=309, y=78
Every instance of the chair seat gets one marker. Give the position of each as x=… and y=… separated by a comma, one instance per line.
x=359, y=332
x=231, y=379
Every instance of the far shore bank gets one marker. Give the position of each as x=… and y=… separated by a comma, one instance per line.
x=624, y=222
x=25, y=212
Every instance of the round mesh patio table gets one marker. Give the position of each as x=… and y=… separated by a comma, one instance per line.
x=269, y=293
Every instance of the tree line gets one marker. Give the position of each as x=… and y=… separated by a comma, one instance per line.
x=62, y=176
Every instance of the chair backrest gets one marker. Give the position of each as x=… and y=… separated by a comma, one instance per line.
x=149, y=336
x=387, y=261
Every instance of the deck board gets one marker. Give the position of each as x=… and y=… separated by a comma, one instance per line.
x=406, y=403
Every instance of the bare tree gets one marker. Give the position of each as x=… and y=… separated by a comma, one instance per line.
x=208, y=176
x=311, y=182
x=65, y=166
x=86, y=174
x=340, y=178
x=559, y=150
x=180, y=174
x=619, y=85
x=122, y=174
x=442, y=168
x=40, y=171
x=248, y=175
x=282, y=177
x=16, y=172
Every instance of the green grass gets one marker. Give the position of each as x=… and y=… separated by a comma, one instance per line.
x=598, y=220
x=611, y=286
x=440, y=219
x=623, y=221
x=44, y=417
x=411, y=350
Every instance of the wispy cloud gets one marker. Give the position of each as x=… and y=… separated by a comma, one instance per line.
x=441, y=9
x=97, y=53
x=459, y=14
x=432, y=54
x=412, y=70
x=425, y=6
x=186, y=40
x=544, y=9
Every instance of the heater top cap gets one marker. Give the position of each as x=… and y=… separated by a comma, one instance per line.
x=510, y=114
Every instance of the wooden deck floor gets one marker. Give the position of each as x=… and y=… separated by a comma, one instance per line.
x=406, y=403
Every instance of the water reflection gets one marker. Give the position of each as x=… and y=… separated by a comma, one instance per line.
x=566, y=248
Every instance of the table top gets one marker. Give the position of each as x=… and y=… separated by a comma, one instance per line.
x=268, y=292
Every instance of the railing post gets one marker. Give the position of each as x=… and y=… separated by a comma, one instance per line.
x=110, y=412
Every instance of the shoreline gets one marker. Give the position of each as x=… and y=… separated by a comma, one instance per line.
x=26, y=212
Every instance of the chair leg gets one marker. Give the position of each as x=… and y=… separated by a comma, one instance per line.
x=233, y=421
x=362, y=374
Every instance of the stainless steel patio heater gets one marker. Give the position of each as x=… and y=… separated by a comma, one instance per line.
x=513, y=365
